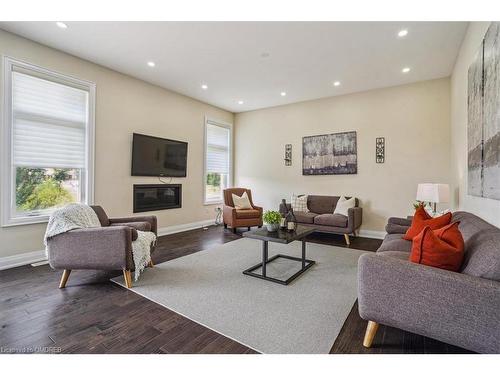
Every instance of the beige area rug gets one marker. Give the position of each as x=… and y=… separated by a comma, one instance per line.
x=303, y=317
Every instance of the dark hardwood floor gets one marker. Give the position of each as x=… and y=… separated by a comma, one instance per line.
x=94, y=315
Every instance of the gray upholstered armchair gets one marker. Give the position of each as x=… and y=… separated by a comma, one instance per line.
x=105, y=248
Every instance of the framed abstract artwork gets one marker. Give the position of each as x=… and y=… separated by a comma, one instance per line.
x=483, y=125
x=330, y=154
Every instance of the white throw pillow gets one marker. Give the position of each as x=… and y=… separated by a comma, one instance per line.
x=242, y=203
x=299, y=204
x=343, y=205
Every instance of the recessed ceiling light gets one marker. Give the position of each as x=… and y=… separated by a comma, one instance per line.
x=240, y=101
x=403, y=33
x=204, y=87
x=405, y=70
x=61, y=25
x=151, y=64
x=336, y=83
x=283, y=93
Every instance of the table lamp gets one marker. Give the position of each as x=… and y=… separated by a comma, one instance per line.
x=433, y=193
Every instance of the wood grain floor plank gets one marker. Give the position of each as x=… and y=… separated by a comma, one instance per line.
x=94, y=315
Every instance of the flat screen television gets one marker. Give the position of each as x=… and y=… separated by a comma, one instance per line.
x=153, y=156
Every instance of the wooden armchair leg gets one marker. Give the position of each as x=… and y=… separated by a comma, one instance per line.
x=371, y=330
x=347, y=241
x=64, y=278
x=151, y=264
x=127, y=275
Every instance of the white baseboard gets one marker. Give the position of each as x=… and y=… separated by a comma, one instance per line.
x=184, y=227
x=22, y=259
x=37, y=256
x=378, y=234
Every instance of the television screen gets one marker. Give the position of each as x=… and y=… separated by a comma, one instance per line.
x=153, y=156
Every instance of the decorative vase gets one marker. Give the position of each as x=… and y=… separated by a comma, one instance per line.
x=272, y=227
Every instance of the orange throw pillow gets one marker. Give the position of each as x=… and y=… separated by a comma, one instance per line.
x=422, y=213
x=443, y=248
x=451, y=235
x=418, y=223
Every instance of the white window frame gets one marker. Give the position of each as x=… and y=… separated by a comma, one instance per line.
x=229, y=126
x=7, y=175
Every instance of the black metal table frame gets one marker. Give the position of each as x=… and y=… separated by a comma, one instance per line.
x=306, y=264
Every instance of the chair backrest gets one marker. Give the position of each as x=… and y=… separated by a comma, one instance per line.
x=101, y=214
x=482, y=246
x=228, y=195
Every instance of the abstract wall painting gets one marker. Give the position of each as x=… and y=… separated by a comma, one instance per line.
x=330, y=154
x=483, y=128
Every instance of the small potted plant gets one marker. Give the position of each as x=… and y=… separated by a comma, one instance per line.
x=272, y=220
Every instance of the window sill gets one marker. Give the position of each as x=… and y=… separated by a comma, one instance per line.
x=211, y=203
x=25, y=220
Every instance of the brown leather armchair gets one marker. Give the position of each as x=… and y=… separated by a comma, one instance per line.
x=240, y=218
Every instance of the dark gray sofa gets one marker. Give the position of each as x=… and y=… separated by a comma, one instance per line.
x=459, y=308
x=321, y=216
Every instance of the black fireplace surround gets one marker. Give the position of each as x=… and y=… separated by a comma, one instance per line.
x=157, y=197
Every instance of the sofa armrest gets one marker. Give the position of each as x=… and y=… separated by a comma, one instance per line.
x=228, y=214
x=405, y=222
x=354, y=218
x=396, y=229
x=448, y=306
x=106, y=248
x=151, y=219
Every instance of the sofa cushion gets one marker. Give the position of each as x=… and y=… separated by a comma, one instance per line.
x=331, y=220
x=482, y=254
x=443, y=248
x=247, y=214
x=470, y=224
x=395, y=242
x=299, y=203
x=242, y=203
x=451, y=235
x=343, y=205
x=321, y=204
x=305, y=217
x=418, y=224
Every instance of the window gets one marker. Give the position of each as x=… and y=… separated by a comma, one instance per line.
x=218, y=160
x=48, y=134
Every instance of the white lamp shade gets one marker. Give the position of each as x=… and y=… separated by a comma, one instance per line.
x=435, y=193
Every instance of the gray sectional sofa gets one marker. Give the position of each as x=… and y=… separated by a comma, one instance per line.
x=321, y=216
x=459, y=308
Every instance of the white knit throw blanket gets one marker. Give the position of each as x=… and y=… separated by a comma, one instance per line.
x=77, y=216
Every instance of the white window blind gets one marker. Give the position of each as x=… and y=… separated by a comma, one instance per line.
x=49, y=123
x=218, y=142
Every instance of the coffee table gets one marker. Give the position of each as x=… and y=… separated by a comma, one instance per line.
x=280, y=236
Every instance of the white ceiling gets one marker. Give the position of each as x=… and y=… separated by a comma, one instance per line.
x=304, y=58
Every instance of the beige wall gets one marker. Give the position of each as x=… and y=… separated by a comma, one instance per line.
x=414, y=119
x=488, y=209
x=123, y=105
